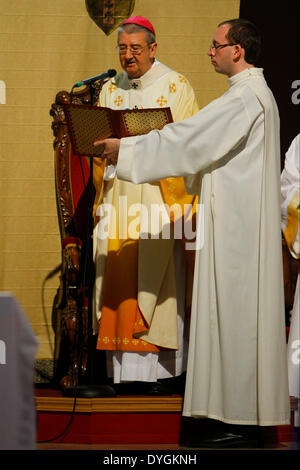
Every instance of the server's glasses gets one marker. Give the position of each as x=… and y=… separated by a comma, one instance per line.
x=215, y=47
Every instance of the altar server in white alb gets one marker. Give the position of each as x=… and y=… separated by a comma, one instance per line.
x=290, y=213
x=229, y=154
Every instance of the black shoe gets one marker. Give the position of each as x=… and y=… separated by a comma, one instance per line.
x=158, y=389
x=223, y=440
x=143, y=388
x=163, y=387
x=129, y=388
x=170, y=386
x=230, y=440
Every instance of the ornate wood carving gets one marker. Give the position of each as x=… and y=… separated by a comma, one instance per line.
x=70, y=309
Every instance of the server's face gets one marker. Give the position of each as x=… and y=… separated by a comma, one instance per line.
x=223, y=54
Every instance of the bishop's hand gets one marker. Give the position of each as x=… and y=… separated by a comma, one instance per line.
x=111, y=150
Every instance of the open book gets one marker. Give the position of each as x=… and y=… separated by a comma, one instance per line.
x=90, y=123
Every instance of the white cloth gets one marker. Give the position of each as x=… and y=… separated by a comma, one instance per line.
x=158, y=87
x=151, y=366
x=18, y=347
x=290, y=186
x=290, y=194
x=294, y=352
x=237, y=368
x=294, y=345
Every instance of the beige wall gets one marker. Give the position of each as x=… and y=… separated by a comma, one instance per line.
x=47, y=46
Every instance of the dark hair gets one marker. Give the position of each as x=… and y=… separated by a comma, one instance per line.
x=246, y=34
x=135, y=28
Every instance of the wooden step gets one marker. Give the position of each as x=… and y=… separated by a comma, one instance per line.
x=127, y=404
x=119, y=420
x=126, y=419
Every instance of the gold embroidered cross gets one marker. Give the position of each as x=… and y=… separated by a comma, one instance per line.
x=116, y=340
x=112, y=88
x=161, y=101
x=118, y=101
x=172, y=87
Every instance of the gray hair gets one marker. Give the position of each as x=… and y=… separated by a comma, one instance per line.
x=131, y=28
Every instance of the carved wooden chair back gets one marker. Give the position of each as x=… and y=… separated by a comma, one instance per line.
x=72, y=197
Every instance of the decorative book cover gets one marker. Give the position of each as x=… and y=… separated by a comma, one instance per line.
x=90, y=123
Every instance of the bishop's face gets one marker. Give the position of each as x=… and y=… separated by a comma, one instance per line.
x=137, y=63
x=223, y=57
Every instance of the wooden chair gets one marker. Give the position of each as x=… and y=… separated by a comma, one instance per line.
x=71, y=184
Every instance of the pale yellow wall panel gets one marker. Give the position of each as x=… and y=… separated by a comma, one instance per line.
x=46, y=312
x=44, y=350
x=52, y=61
x=21, y=169
x=30, y=260
x=28, y=207
x=32, y=298
x=18, y=241
x=14, y=115
x=41, y=328
x=186, y=44
x=26, y=61
x=15, y=279
x=13, y=244
x=49, y=242
x=209, y=96
x=30, y=226
x=187, y=8
x=44, y=7
x=39, y=151
x=13, y=189
x=24, y=133
x=34, y=257
x=42, y=23
x=47, y=46
x=59, y=43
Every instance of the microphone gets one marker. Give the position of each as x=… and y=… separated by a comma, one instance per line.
x=110, y=73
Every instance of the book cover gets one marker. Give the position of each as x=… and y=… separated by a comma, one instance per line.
x=90, y=123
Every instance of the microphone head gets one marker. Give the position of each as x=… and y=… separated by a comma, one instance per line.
x=111, y=73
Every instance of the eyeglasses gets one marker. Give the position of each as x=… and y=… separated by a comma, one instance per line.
x=219, y=46
x=135, y=50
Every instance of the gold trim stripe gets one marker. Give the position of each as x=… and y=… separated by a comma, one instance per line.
x=292, y=222
x=172, y=404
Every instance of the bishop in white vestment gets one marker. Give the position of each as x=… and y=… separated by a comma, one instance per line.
x=160, y=268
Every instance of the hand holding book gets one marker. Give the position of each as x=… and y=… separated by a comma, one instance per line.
x=94, y=124
x=111, y=150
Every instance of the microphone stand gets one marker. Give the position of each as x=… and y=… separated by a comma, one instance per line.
x=90, y=390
